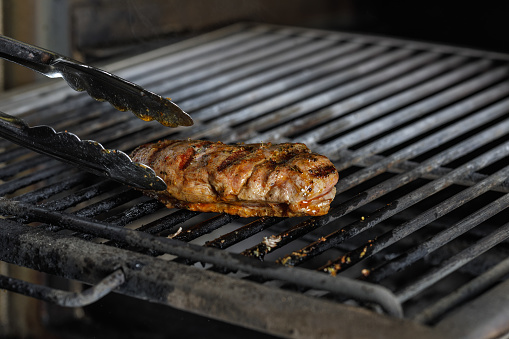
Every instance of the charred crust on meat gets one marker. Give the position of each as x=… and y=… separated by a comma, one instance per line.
x=286, y=152
x=296, y=169
x=234, y=158
x=202, y=146
x=155, y=150
x=322, y=171
x=186, y=158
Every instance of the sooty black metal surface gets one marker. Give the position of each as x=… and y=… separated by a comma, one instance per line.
x=417, y=230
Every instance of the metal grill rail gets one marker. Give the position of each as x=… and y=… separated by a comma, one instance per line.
x=418, y=131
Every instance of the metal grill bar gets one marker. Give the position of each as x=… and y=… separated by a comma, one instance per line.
x=243, y=233
x=51, y=190
x=398, y=233
x=341, y=122
x=408, y=200
x=427, y=123
x=459, y=259
x=79, y=196
x=168, y=222
x=281, y=62
x=367, y=95
x=452, y=232
x=206, y=227
x=215, y=51
x=426, y=144
x=18, y=183
x=464, y=293
x=394, y=183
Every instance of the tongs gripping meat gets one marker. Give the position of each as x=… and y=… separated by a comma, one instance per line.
x=85, y=154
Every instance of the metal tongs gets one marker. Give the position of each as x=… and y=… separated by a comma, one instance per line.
x=103, y=86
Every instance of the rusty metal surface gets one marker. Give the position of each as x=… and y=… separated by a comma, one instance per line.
x=189, y=288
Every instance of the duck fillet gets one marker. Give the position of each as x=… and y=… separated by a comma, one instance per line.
x=284, y=180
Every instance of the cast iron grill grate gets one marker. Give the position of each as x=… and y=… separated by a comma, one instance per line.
x=419, y=133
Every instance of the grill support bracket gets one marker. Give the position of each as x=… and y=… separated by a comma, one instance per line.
x=64, y=298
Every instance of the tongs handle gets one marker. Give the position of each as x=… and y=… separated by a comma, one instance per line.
x=32, y=57
x=99, y=84
x=88, y=155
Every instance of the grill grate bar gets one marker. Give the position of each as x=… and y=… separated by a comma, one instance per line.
x=79, y=196
x=439, y=118
x=18, y=183
x=390, y=185
x=328, y=75
x=285, y=78
x=162, y=227
x=243, y=232
x=404, y=166
x=424, y=107
x=452, y=232
x=369, y=95
x=205, y=227
x=105, y=205
x=132, y=214
x=52, y=189
x=108, y=203
x=13, y=153
x=383, y=241
x=326, y=242
x=462, y=258
x=165, y=225
x=200, y=68
x=337, y=115
x=180, y=67
x=282, y=60
x=15, y=169
x=428, y=143
x=473, y=288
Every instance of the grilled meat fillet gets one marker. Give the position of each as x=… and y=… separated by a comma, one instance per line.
x=282, y=180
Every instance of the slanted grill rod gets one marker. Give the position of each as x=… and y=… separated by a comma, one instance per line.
x=410, y=199
x=427, y=143
x=452, y=232
x=392, y=184
x=462, y=258
x=464, y=293
x=64, y=298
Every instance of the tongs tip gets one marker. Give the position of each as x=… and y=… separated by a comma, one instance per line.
x=169, y=114
x=88, y=155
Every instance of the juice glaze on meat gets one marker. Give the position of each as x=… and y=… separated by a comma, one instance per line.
x=262, y=179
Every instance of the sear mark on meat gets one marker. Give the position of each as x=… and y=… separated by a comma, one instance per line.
x=284, y=180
